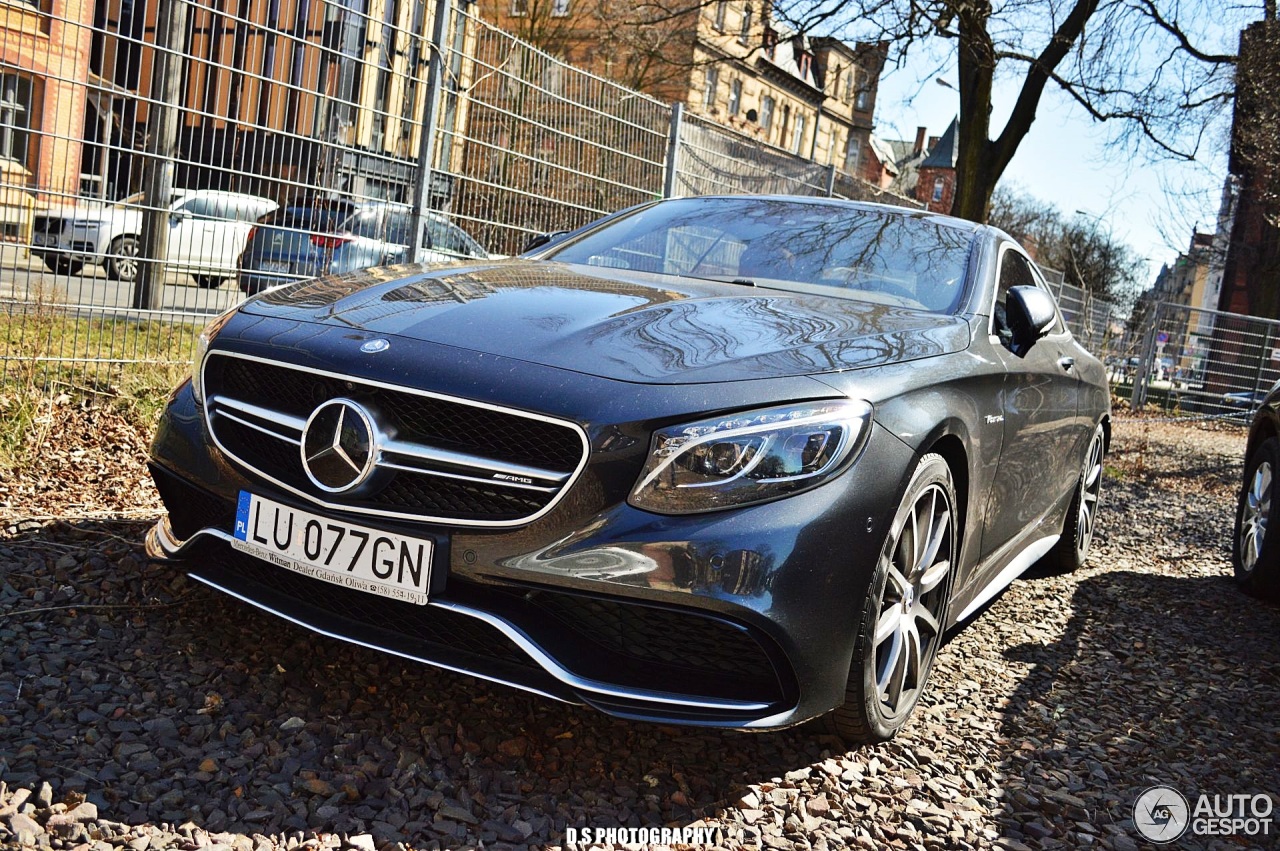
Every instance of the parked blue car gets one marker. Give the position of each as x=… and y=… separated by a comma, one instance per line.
x=312, y=236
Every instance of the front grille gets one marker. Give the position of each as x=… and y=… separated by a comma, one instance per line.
x=47, y=225
x=625, y=645
x=515, y=465
x=659, y=635
x=420, y=623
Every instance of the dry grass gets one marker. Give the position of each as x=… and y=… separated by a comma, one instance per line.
x=53, y=358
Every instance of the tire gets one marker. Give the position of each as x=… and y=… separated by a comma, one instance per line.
x=61, y=265
x=208, y=282
x=899, y=631
x=1254, y=553
x=122, y=262
x=1072, y=549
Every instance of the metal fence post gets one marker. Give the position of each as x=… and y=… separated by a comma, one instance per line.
x=673, y=151
x=162, y=151
x=831, y=180
x=1263, y=354
x=427, y=142
x=1139, y=397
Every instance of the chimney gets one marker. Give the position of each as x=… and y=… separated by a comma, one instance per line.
x=919, y=148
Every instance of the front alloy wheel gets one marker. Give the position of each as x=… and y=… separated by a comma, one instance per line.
x=122, y=264
x=1254, y=557
x=905, y=612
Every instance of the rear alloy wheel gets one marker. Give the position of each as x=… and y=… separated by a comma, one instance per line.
x=122, y=262
x=1072, y=549
x=905, y=613
x=1253, y=552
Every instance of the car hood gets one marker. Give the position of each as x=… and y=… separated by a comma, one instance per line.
x=627, y=326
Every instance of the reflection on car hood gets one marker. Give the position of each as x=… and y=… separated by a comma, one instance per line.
x=627, y=326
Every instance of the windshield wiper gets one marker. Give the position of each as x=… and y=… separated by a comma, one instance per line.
x=720, y=279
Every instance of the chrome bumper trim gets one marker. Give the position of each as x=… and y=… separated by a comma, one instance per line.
x=161, y=543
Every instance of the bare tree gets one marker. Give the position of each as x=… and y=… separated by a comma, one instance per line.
x=1142, y=63
x=1088, y=256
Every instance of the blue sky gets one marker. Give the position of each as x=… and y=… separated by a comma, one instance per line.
x=1065, y=159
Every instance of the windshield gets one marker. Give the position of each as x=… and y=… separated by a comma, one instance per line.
x=882, y=256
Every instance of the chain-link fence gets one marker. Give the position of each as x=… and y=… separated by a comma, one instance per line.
x=1196, y=362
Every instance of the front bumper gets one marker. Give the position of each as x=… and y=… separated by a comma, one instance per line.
x=740, y=619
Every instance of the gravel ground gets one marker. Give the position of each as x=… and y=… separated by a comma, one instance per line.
x=140, y=710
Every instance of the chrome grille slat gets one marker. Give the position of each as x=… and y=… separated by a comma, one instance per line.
x=458, y=482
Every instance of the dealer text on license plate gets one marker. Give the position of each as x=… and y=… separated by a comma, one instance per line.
x=345, y=554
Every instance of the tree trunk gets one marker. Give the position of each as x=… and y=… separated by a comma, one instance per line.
x=975, y=181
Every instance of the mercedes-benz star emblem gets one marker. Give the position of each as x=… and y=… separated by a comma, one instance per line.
x=374, y=346
x=338, y=446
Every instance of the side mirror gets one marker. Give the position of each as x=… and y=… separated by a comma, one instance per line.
x=1031, y=313
x=541, y=239
x=177, y=216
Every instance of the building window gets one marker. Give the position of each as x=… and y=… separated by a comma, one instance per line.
x=863, y=100
x=848, y=85
x=713, y=83
x=559, y=8
x=15, y=118
x=852, y=155
x=939, y=186
x=735, y=97
x=806, y=63
x=770, y=43
x=744, y=35
x=721, y=7
x=766, y=114
x=519, y=8
x=797, y=135
x=835, y=81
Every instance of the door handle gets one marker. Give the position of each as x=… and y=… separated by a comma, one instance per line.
x=1067, y=364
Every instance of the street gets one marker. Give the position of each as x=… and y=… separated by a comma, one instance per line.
x=25, y=278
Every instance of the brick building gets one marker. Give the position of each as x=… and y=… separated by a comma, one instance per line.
x=936, y=181
x=44, y=51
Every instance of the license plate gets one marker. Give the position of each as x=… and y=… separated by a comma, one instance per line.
x=345, y=554
x=275, y=266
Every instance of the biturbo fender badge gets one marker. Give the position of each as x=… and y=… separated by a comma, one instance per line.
x=374, y=346
x=339, y=446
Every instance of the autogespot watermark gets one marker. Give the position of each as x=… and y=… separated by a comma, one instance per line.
x=1163, y=814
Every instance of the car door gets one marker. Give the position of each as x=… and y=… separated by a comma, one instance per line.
x=1038, y=406
x=192, y=236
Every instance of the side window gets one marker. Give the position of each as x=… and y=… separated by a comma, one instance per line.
x=1015, y=271
x=398, y=227
x=200, y=207
x=366, y=223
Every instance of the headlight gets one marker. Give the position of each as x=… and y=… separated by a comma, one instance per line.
x=750, y=457
x=202, y=348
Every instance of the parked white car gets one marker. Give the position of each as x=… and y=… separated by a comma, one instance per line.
x=208, y=230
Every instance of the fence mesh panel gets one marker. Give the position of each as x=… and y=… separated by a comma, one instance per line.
x=545, y=146
x=715, y=160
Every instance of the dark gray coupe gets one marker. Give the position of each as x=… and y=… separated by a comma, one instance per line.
x=730, y=461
